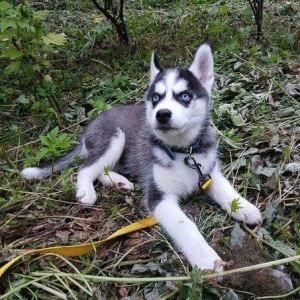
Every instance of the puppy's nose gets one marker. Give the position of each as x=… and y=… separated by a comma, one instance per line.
x=163, y=116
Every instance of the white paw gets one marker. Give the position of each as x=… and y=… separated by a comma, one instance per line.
x=214, y=264
x=86, y=196
x=120, y=182
x=209, y=260
x=248, y=213
x=125, y=186
x=32, y=173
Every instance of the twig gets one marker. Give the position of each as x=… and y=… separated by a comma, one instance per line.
x=6, y=158
x=120, y=26
x=279, y=296
x=180, y=278
x=257, y=8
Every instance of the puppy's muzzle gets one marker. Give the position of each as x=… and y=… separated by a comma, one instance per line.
x=163, y=116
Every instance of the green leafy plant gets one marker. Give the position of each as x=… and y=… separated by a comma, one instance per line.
x=25, y=47
x=24, y=40
x=197, y=288
x=54, y=144
x=98, y=106
x=106, y=170
x=110, y=90
x=235, y=206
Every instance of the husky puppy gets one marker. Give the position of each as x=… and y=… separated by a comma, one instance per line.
x=168, y=145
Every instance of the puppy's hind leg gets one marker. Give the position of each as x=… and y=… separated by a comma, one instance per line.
x=120, y=182
x=94, y=167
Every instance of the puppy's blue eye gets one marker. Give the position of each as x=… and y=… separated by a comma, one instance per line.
x=155, y=98
x=184, y=97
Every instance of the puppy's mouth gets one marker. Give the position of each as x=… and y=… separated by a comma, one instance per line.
x=165, y=128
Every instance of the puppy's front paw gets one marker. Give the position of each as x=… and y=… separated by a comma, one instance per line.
x=209, y=260
x=248, y=213
x=87, y=196
x=212, y=262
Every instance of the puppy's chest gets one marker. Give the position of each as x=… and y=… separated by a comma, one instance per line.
x=176, y=177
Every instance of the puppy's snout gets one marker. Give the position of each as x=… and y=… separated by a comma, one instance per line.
x=163, y=116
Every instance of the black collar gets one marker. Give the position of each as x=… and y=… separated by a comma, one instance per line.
x=192, y=148
x=188, y=150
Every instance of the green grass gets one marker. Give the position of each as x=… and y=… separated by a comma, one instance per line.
x=255, y=110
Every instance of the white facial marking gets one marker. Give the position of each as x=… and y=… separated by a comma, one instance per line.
x=186, y=120
x=160, y=88
x=180, y=86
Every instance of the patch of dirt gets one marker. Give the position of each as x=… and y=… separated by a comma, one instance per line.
x=260, y=282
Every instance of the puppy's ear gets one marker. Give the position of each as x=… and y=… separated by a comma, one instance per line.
x=155, y=68
x=203, y=67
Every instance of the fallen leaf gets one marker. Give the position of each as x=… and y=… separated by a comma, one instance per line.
x=271, y=100
x=123, y=291
x=284, y=279
x=81, y=235
x=293, y=167
x=230, y=295
x=63, y=235
x=237, y=236
x=138, y=268
x=274, y=140
x=54, y=38
x=293, y=89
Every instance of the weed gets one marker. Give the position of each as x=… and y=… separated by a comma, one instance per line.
x=234, y=206
x=26, y=48
x=54, y=144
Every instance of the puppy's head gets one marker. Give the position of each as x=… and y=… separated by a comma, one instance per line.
x=177, y=100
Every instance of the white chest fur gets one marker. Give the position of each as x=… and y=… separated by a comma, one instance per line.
x=174, y=177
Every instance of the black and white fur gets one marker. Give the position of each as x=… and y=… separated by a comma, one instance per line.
x=133, y=140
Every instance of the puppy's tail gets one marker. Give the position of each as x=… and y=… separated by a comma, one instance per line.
x=45, y=169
